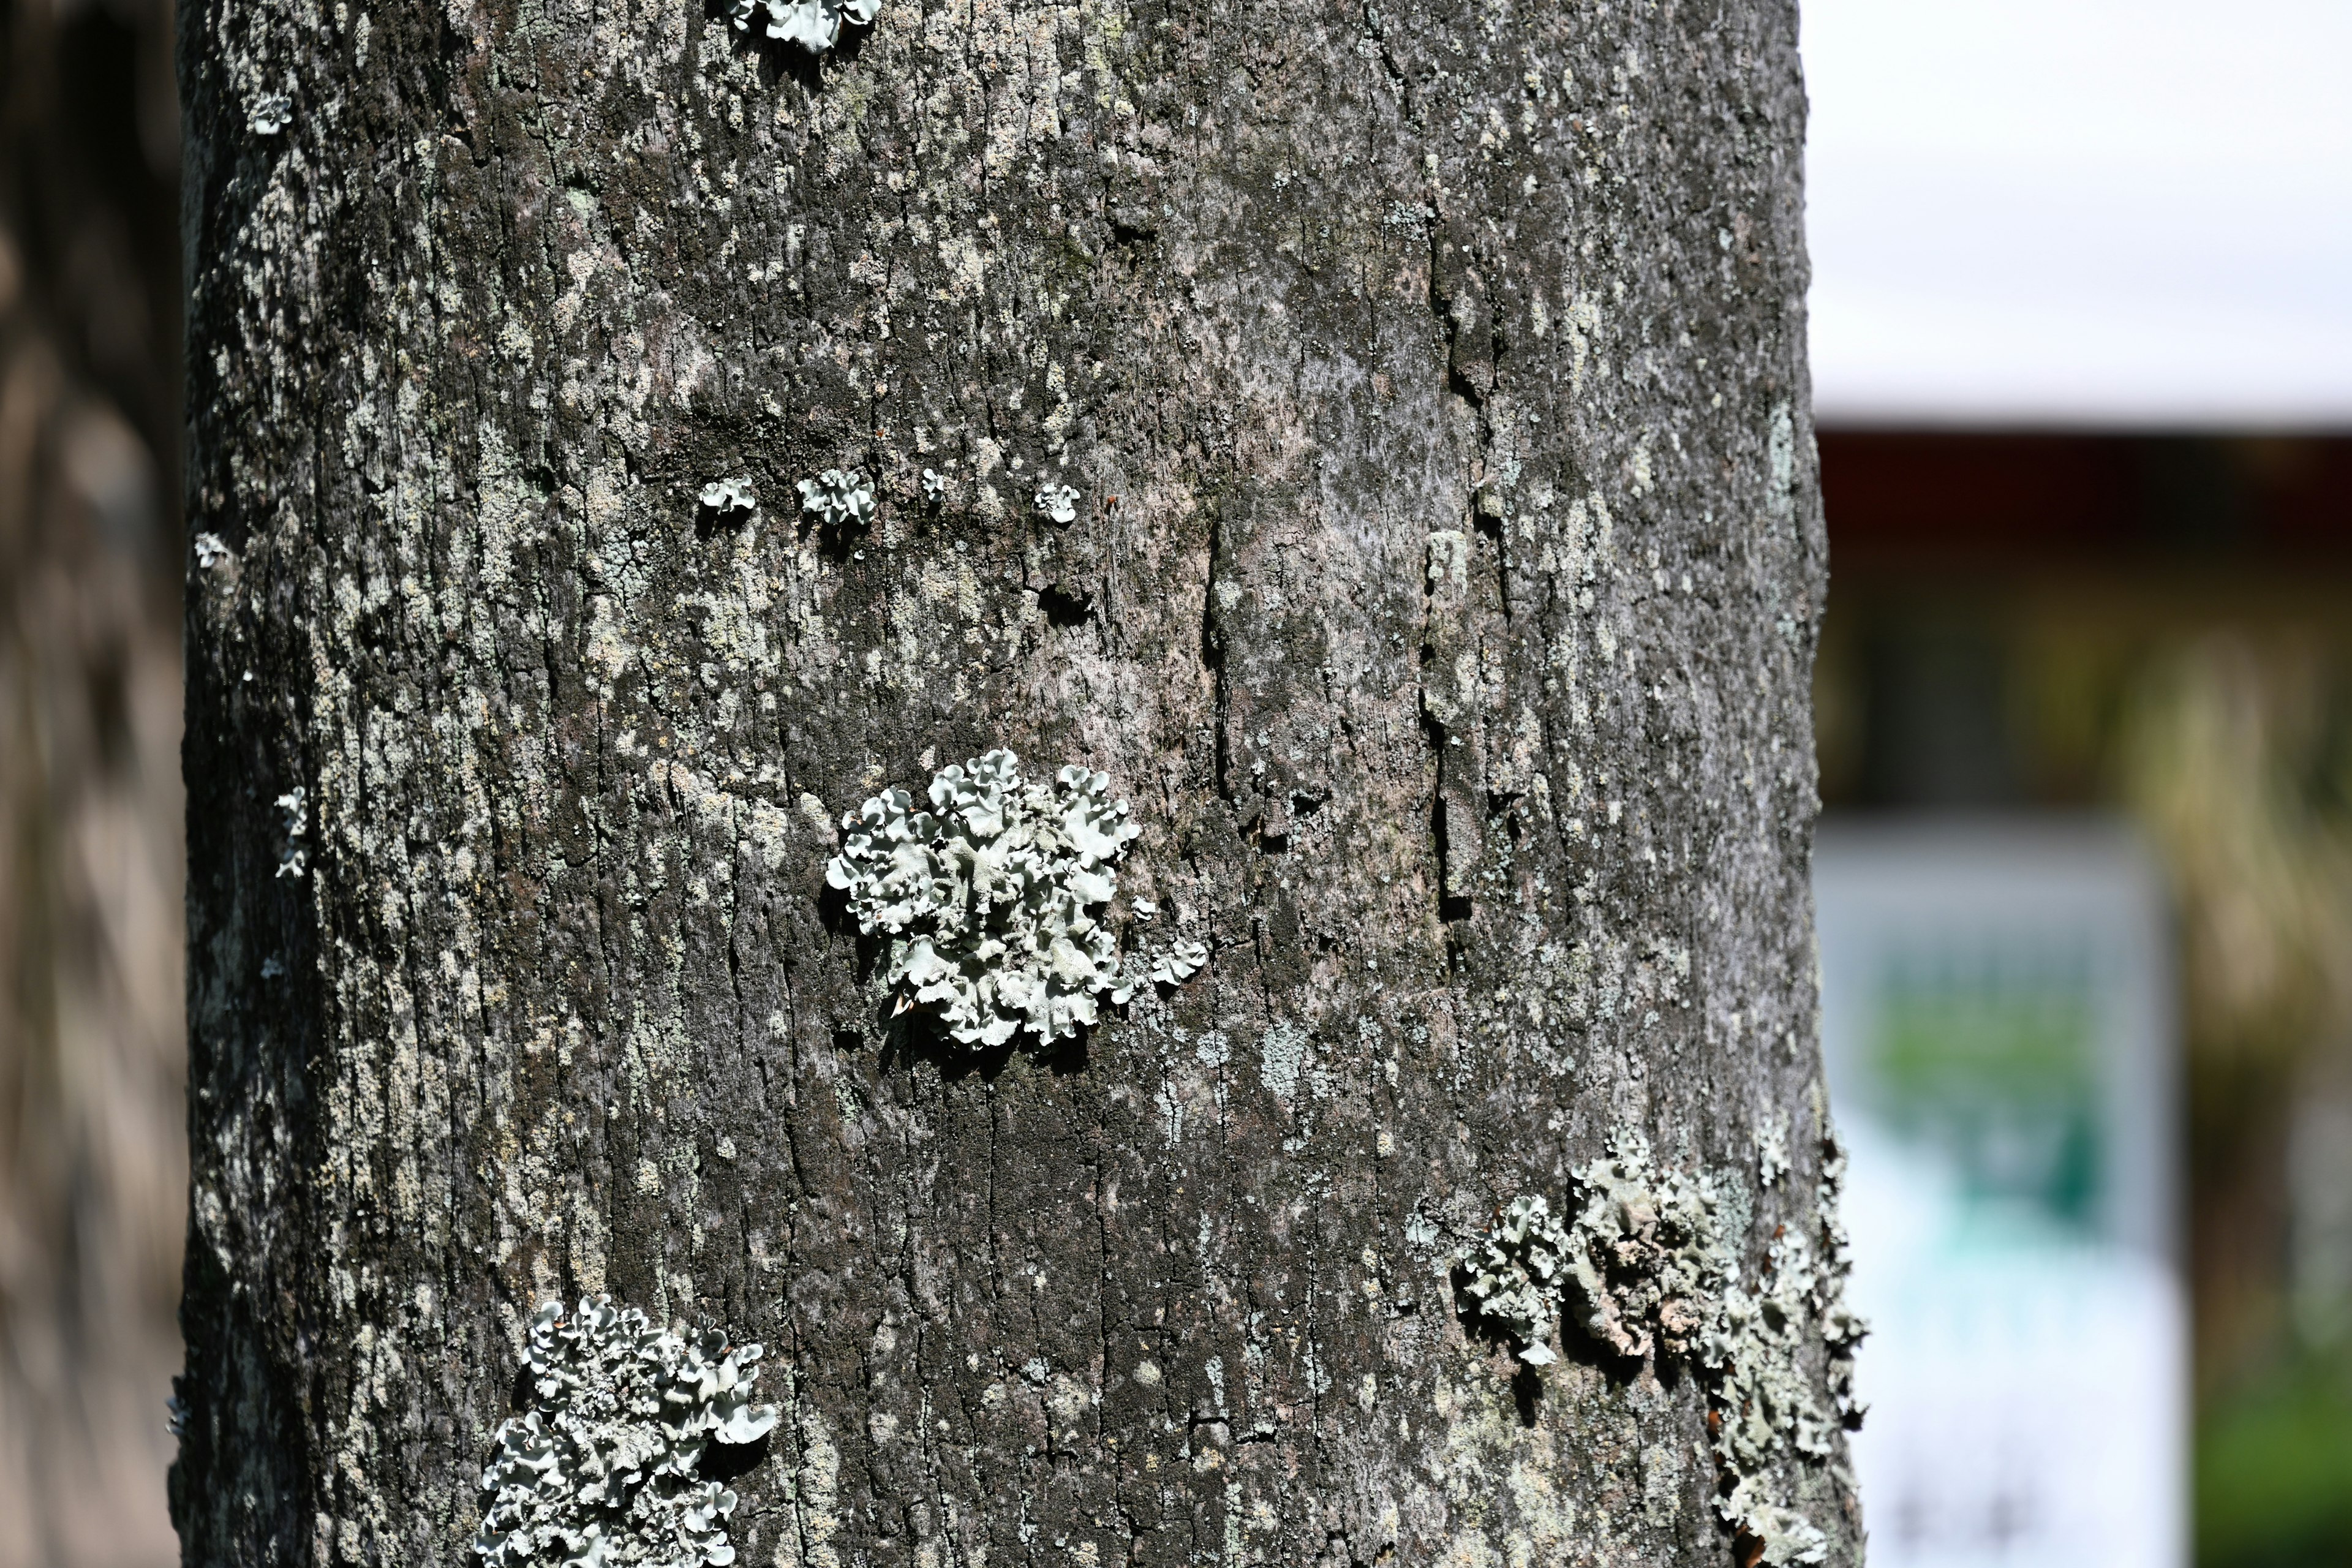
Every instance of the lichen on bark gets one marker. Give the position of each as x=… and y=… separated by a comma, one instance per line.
x=1440, y=585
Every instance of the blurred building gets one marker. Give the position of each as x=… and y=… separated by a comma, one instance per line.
x=2081, y=323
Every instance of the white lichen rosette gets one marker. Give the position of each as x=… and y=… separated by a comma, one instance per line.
x=730, y=495
x=814, y=25
x=838, y=498
x=604, y=1465
x=989, y=898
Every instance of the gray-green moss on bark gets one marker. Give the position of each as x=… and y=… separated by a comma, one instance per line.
x=1441, y=595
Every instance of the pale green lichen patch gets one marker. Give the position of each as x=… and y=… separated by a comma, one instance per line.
x=604, y=1465
x=1179, y=962
x=1765, y=1403
x=1646, y=1252
x=989, y=898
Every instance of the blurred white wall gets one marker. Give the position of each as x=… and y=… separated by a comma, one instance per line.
x=2081, y=213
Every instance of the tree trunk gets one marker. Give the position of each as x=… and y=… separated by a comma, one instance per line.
x=1440, y=591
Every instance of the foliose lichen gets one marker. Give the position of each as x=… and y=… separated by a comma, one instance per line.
x=988, y=899
x=293, y=806
x=730, y=495
x=1765, y=1403
x=1843, y=1327
x=270, y=113
x=935, y=486
x=210, y=552
x=604, y=1465
x=1515, y=1273
x=838, y=496
x=1649, y=1265
x=1059, y=502
x=814, y=25
x=1179, y=962
x=1646, y=1252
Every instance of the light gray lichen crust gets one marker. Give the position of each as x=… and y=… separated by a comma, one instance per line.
x=604, y=1465
x=814, y=25
x=988, y=899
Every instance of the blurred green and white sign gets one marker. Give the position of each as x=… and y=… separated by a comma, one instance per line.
x=1996, y=1022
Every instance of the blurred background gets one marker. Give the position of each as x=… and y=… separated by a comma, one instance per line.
x=2082, y=348
x=2083, y=354
x=93, y=1163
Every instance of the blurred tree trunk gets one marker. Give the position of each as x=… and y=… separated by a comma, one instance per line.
x=93, y=1171
x=1441, y=593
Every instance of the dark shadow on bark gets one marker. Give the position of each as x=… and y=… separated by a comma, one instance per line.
x=1527, y=1391
x=832, y=912
x=1066, y=1058
x=779, y=61
x=709, y=520
x=1527, y=1380
x=1450, y=906
x=727, y=1461
x=917, y=1035
x=1578, y=1344
x=1065, y=608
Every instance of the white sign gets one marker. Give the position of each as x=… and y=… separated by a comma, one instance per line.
x=1996, y=1021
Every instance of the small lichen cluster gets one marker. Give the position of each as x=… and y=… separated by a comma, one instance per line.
x=1646, y=1253
x=838, y=496
x=1765, y=1403
x=604, y=1465
x=724, y=496
x=1843, y=1327
x=1647, y=1264
x=270, y=113
x=987, y=898
x=1515, y=1274
x=1179, y=962
x=814, y=25
x=1058, y=503
x=294, y=806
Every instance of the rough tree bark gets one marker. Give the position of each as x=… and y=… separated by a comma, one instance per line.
x=1441, y=595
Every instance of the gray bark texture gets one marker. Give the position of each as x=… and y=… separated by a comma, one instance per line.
x=1441, y=595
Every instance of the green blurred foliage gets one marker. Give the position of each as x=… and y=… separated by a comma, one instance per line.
x=2274, y=1470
